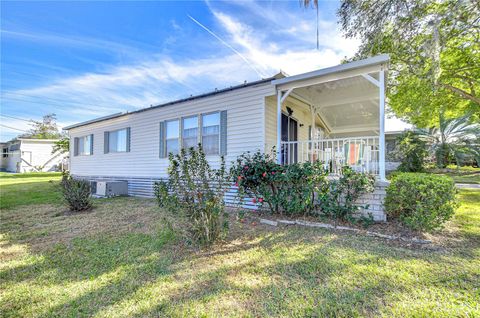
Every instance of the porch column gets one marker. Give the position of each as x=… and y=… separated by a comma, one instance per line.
x=279, y=126
x=381, y=159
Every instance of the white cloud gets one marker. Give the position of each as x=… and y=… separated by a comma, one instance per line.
x=271, y=39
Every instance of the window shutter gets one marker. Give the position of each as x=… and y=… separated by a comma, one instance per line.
x=200, y=130
x=106, y=136
x=75, y=146
x=162, y=134
x=223, y=132
x=91, y=144
x=128, y=139
x=180, y=141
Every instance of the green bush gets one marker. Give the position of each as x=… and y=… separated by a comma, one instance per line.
x=196, y=191
x=288, y=189
x=76, y=193
x=339, y=202
x=412, y=151
x=421, y=201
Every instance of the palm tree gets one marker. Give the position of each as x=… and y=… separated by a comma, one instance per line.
x=454, y=138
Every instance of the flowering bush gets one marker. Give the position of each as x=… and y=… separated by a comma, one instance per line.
x=288, y=189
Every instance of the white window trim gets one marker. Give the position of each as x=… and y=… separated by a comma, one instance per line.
x=126, y=140
x=219, y=131
x=80, y=139
x=179, y=138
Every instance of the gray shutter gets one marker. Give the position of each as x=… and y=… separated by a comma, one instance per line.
x=162, y=146
x=91, y=144
x=223, y=132
x=200, y=130
x=180, y=142
x=75, y=146
x=106, y=137
x=128, y=139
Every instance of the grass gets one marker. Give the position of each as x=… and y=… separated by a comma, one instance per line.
x=123, y=260
x=28, y=188
x=460, y=174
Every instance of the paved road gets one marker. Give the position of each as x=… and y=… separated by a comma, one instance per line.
x=467, y=186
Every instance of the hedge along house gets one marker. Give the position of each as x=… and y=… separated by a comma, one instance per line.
x=335, y=115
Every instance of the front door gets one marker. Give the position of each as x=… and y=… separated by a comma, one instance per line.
x=289, y=133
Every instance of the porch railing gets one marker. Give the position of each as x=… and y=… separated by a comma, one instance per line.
x=360, y=153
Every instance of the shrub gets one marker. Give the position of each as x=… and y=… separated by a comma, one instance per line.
x=286, y=189
x=412, y=151
x=196, y=191
x=421, y=201
x=76, y=193
x=339, y=201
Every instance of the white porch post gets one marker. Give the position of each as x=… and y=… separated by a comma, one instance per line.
x=279, y=126
x=381, y=160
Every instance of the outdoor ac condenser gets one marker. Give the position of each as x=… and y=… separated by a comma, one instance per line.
x=111, y=188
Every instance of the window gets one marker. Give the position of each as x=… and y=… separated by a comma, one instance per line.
x=190, y=132
x=117, y=140
x=172, y=136
x=85, y=145
x=211, y=133
x=5, y=152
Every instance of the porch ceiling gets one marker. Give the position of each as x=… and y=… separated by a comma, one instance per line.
x=346, y=96
x=345, y=105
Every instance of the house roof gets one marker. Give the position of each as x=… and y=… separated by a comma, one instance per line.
x=378, y=59
x=279, y=79
x=215, y=92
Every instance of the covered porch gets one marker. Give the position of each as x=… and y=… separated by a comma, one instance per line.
x=335, y=115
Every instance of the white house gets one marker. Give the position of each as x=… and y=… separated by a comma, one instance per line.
x=27, y=155
x=336, y=115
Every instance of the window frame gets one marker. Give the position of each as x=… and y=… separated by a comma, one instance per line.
x=81, y=140
x=179, y=138
x=219, y=112
x=110, y=144
x=182, y=129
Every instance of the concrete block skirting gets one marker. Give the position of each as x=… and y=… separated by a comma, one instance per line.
x=375, y=201
x=143, y=187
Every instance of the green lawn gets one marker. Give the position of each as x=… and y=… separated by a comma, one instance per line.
x=461, y=174
x=28, y=188
x=122, y=260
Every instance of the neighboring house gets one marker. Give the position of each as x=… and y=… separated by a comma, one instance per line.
x=336, y=115
x=26, y=155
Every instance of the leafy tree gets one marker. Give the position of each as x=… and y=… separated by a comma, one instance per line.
x=45, y=129
x=62, y=145
x=454, y=138
x=435, y=53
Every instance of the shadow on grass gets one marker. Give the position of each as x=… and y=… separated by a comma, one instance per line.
x=300, y=272
x=290, y=271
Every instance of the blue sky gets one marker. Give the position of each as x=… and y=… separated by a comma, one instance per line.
x=82, y=60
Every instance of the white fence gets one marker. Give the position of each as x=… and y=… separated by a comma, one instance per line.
x=360, y=153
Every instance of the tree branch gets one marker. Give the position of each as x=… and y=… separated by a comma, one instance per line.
x=461, y=92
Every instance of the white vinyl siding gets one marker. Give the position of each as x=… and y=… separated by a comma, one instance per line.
x=211, y=133
x=245, y=128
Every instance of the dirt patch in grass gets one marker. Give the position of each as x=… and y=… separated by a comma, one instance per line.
x=45, y=225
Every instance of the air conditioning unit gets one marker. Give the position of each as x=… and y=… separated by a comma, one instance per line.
x=104, y=188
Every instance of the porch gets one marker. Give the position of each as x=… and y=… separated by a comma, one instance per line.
x=335, y=115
